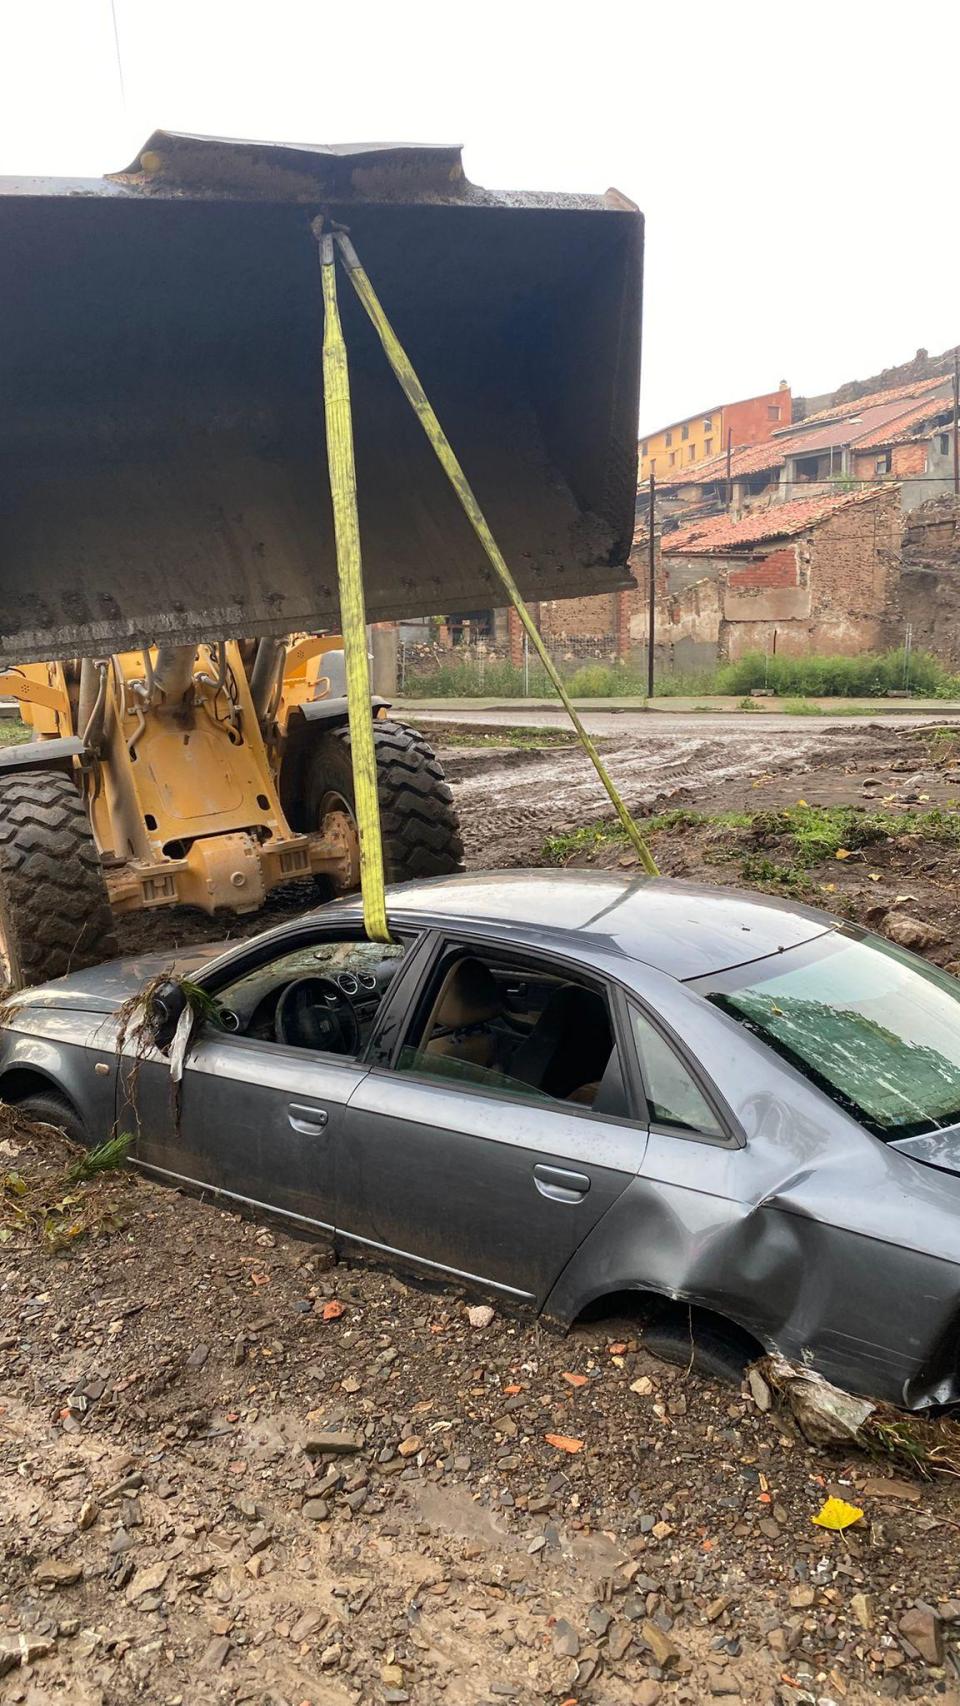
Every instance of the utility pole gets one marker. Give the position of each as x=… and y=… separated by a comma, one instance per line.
x=956, y=423
x=652, y=604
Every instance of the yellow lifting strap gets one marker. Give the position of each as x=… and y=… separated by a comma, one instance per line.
x=413, y=390
x=343, y=491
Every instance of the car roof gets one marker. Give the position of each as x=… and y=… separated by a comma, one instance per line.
x=684, y=929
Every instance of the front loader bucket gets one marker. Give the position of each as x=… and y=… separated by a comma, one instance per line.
x=162, y=456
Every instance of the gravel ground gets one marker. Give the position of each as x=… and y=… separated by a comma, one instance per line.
x=235, y=1470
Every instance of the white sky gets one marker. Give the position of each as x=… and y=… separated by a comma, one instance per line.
x=795, y=163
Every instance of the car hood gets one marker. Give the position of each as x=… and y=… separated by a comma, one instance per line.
x=934, y=1148
x=101, y=989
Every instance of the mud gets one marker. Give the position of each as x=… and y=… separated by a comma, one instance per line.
x=171, y=1536
x=511, y=798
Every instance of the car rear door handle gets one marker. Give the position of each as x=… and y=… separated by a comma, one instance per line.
x=306, y=1120
x=561, y=1186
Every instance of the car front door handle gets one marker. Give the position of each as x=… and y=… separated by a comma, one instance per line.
x=561, y=1186
x=306, y=1120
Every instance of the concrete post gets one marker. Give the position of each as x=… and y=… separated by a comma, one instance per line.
x=383, y=645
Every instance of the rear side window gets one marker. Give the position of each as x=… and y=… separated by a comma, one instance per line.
x=673, y=1096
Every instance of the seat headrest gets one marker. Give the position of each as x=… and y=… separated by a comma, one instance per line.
x=469, y=996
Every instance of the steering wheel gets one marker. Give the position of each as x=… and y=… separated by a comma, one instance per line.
x=314, y=1012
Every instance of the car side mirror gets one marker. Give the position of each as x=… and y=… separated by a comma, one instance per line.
x=164, y=1010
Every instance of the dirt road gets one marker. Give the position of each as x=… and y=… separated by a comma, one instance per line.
x=511, y=799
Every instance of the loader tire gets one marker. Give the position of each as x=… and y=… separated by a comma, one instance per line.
x=418, y=819
x=55, y=913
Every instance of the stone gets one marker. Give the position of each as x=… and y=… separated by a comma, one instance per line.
x=337, y=1444
x=862, y=1607
x=911, y=932
x=618, y=1641
x=392, y=1675
x=887, y=1487
x=803, y=1596
x=647, y=1693
x=721, y=1682
x=599, y=1619
x=315, y=1510
x=129, y=1484
x=718, y=1606
x=307, y=1625
x=148, y=1580
x=198, y=1356
x=480, y=1315
x=662, y=1646
x=924, y=1631
x=410, y=1447
x=566, y=1641
x=331, y=1656
x=216, y=1654
x=57, y=1573
x=87, y=1514
x=759, y=1390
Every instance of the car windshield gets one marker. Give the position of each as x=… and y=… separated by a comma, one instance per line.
x=878, y=1030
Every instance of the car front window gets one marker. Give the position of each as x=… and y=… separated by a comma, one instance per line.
x=878, y=1030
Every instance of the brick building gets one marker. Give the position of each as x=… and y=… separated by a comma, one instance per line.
x=900, y=434
x=821, y=574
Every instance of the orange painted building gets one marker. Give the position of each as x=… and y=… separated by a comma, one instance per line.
x=685, y=443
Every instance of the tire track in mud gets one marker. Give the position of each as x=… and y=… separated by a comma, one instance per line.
x=509, y=801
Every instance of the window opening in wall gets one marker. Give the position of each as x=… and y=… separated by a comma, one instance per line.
x=643, y=450
x=707, y=446
x=943, y=444
x=691, y=453
x=673, y=457
x=685, y=432
x=708, y=423
x=668, y=439
x=806, y=469
x=773, y=411
x=883, y=463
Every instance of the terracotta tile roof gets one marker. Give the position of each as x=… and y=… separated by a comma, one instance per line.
x=751, y=460
x=904, y=426
x=839, y=411
x=780, y=521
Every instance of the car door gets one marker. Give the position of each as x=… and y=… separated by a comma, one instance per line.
x=252, y=1118
x=472, y=1175
x=256, y=1121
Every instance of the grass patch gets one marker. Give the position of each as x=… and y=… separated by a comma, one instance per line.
x=455, y=734
x=809, y=835
x=801, y=708
x=12, y=731
x=866, y=676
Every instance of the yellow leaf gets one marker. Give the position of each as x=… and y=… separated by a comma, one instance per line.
x=836, y=1513
x=874, y=876
x=801, y=802
x=843, y=853
x=829, y=888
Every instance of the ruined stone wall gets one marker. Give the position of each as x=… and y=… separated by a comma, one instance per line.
x=930, y=578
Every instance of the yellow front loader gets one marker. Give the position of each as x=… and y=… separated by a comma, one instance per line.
x=194, y=776
x=166, y=535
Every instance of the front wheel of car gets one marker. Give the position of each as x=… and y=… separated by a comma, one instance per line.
x=45, y=1107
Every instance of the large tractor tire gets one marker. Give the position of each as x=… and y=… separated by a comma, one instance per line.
x=418, y=819
x=55, y=913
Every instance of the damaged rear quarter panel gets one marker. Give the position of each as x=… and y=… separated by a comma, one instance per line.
x=813, y=1236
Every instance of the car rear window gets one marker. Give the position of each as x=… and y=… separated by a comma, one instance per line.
x=874, y=1027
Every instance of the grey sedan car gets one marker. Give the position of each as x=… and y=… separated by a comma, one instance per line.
x=575, y=1091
